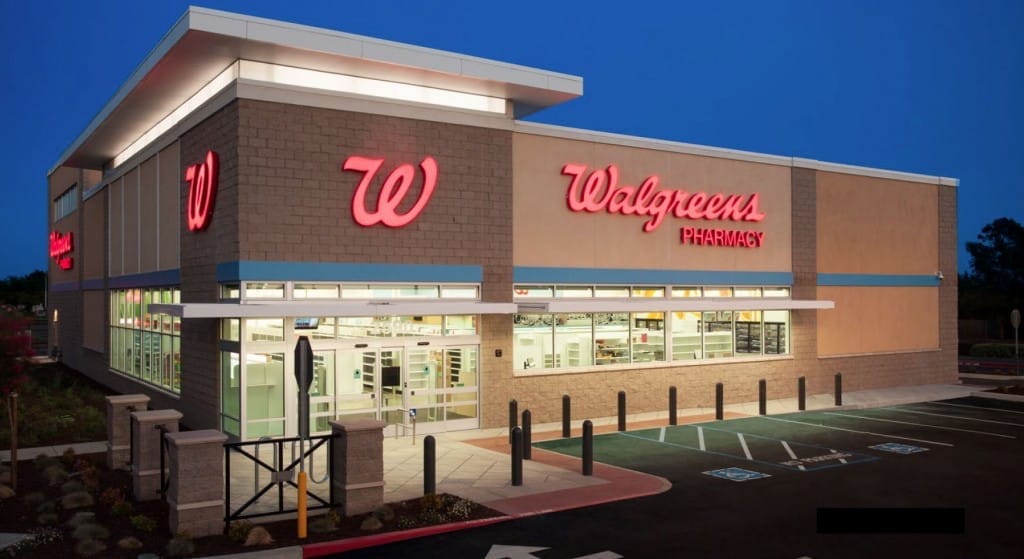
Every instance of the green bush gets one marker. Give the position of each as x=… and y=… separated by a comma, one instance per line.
x=143, y=523
x=992, y=350
x=90, y=531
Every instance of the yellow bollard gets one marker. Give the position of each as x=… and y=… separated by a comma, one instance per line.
x=302, y=505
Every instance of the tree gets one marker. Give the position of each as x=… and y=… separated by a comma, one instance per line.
x=995, y=283
x=24, y=290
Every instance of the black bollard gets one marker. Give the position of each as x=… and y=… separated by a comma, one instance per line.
x=527, y=435
x=672, y=419
x=801, y=394
x=839, y=389
x=429, y=465
x=513, y=417
x=566, y=408
x=588, y=448
x=622, y=410
x=517, y=456
x=719, y=397
x=762, y=397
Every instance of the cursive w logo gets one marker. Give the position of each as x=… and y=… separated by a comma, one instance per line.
x=202, y=188
x=396, y=186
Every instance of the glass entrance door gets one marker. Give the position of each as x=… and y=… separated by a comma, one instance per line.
x=392, y=385
x=355, y=386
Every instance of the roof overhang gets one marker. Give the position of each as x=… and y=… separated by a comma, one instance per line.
x=334, y=308
x=204, y=42
x=669, y=305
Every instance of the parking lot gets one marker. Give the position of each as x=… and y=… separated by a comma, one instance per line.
x=936, y=479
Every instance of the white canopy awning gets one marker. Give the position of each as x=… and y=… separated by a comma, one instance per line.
x=280, y=309
x=669, y=305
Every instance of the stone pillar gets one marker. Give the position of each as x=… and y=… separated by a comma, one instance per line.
x=357, y=465
x=146, y=472
x=195, y=496
x=119, y=427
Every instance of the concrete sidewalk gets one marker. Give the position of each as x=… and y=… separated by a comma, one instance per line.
x=476, y=464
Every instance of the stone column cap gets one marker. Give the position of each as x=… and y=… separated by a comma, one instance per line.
x=157, y=415
x=204, y=436
x=352, y=425
x=127, y=398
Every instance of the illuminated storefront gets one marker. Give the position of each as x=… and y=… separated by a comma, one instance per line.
x=444, y=256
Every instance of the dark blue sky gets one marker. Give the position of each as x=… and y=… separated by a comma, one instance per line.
x=930, y=86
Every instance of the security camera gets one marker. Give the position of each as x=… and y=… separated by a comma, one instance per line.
x=939, y=275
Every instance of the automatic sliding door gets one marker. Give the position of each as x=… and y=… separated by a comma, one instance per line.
x=355, y=377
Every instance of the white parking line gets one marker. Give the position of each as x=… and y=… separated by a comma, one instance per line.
x=958, y=417
x=700, y=438
x=920, y=425
x=789, y=451
x=834, y=451
x=743, y=443
x=661, y=436
x=854, y=431
x=973, y=407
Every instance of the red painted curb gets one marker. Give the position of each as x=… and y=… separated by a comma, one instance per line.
x=327, y=548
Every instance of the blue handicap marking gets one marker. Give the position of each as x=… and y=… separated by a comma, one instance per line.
x=898, y=448
x=736, y=474
x=412, y=412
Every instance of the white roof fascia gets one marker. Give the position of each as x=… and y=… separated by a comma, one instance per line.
x=669, y=305
x=320, y=308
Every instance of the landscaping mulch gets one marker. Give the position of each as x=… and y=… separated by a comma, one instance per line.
x=148, y=521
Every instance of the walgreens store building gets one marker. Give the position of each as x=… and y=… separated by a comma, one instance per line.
x=254, y=181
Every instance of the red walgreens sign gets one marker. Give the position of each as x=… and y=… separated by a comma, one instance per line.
x=60, y=247
x=392, y=193
x=202, y=189
x=600, y=191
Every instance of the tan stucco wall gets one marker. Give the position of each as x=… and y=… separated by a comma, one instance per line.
x=876, y=226
x=878, y=319
x=548, y=234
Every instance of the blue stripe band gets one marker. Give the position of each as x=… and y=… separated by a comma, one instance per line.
x=878, y=280
x=93, y=284
x=63, y=287
x=248, y=270
x=530, y=274
x=149, y=279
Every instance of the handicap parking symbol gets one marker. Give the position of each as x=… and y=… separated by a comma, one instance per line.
x=736, y=474
x=898, y=448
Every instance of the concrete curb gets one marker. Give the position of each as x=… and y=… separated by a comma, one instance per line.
x=998, y=396
x=330, y=548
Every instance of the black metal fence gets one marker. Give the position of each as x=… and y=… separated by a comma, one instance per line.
x=280, y=475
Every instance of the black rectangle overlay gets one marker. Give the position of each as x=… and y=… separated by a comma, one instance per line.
x=867, y=520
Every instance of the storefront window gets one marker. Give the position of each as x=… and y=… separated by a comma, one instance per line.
x=230, y=393
x=405, y=326
x=264, y=290
x=464, y=325
x=718, y=336
x=687, y=336
x=776, y=332
x=532, y=339
x=229, y=330
x=648, y=337
x=613, y=291
x=573, y=341
x=534, y=291
x=776, y=292
x=460, y=292
x=230, y=291
x=611, y=338
x=718, y=292
x=574, y=291
x=264, y=329
x=324, y=329
x=145, y=345
x=686, y=292
x=747, y=292
x=264, y=392
x=748, y=333
x=316, y=291
x=648, y=292
x=370, y=291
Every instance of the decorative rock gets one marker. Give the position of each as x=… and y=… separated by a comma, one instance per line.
x=384, y=513
x=371, y=524
x=84, y=517
x=77, y=500
x=129, y=544
x=258, y=536
x=6, y=492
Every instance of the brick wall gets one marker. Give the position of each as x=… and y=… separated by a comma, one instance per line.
x=200, y=254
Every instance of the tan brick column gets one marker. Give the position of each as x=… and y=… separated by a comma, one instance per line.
x=195, y=496
x=119, y=427
x=357, y=462
x=146, y=450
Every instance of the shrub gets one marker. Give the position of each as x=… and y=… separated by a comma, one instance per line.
x=81, y=518
x=77, y=500
x=46, y=507
x=34, y=499
x=461, y=509
x=111, y=495
x=121, y=508
x=55, y=475
x=36, y=538
x=68, y=457
x=143, y=523
x=238, y=530
x=43, y=461
x=73, y=486
x=90, y=531
x=258, y=536
x=322, y=525
x=48, y=518
x=992, y=350
x=129, y=543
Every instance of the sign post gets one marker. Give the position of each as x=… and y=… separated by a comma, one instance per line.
x=1015, y=321
x=303, y=379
